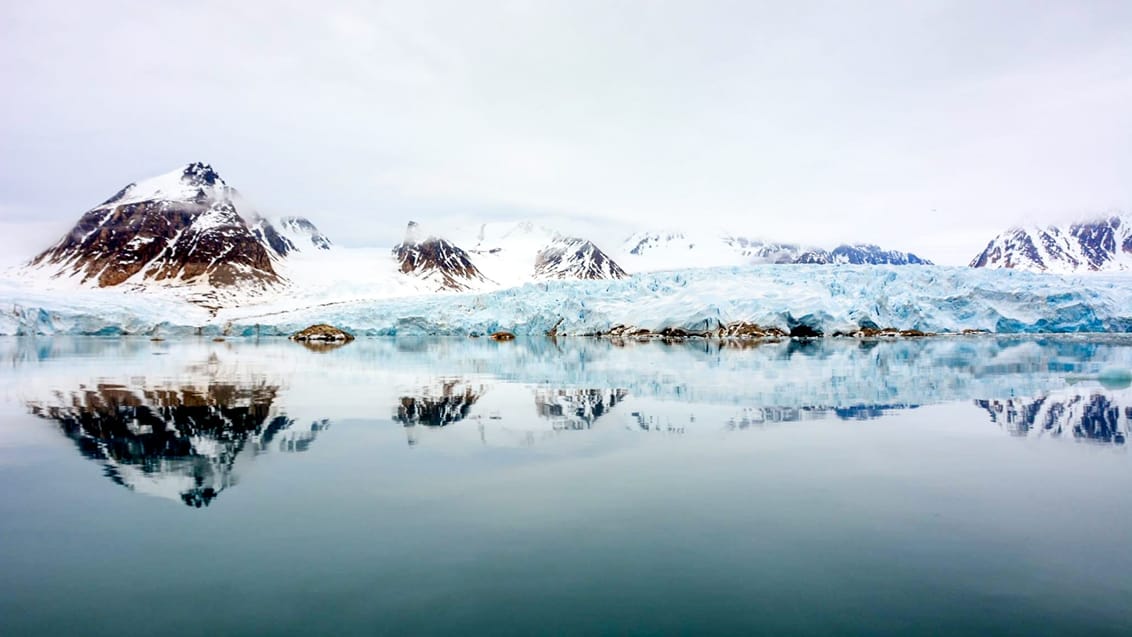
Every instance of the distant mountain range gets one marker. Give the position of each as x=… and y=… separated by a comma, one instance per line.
x=1099, y=245
x=191, y=232
x=676, y=249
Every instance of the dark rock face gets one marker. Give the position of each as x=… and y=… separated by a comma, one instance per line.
x=574, y=258
x=1018, y=248
x=191, y=233
x=436, y=259
x=1091, y=246
x=290, y=234
x=301, y=226
x=267, y=233
x=860, y=254
x=162, y=240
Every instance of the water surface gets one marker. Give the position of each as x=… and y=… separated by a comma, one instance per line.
x=935, y=486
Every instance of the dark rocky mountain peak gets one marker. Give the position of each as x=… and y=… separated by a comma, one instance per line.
x=182, y=227
x=575, y=258
x=200, y=174
x=1101, y=245
x=436, y=260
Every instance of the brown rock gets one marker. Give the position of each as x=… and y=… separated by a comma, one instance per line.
x=324, y=333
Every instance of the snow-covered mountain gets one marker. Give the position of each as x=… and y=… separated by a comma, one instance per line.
x=287, y=235
x=575, y=258
x=182, y=226
x=518, y=252
x=437, y=261
x=187, y=229
x=1101, y=245
x=860, y=254
x=668, y=250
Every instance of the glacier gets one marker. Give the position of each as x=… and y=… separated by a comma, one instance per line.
x=827, y=298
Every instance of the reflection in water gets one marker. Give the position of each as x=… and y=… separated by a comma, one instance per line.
x=756, y=416
x=174, y=441
x=449, y=401
x=1096, y=417
x=445, y=403
x=185, y=439
x=576, y=409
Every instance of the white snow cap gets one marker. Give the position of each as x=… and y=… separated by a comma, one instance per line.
x=183, y=184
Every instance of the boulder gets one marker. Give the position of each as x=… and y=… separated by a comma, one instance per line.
x=322, y=333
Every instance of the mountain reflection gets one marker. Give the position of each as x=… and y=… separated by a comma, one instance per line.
x=175, y=441
x=1095, y=417
x=576, y=409
x=448, y=402
x=508, y=417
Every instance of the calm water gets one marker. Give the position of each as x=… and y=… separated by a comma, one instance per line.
x=970, y=486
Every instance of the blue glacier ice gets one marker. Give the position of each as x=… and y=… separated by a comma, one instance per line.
x=837, y=298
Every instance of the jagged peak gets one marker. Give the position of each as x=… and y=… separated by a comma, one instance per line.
x=1099, y=242
x=200, y=174
x=191, y=182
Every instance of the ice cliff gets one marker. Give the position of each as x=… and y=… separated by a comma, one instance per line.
x=828, y=299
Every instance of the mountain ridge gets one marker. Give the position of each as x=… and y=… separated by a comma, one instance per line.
x=1100, y=244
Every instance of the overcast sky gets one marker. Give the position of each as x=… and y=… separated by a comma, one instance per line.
x=919, y=125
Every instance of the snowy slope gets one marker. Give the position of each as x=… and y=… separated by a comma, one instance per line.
x=436, y=262
x=1100, y=245
x=827, y=299
x=514, y=253
x=677, y=249
x=287, y=235
x=180, y=231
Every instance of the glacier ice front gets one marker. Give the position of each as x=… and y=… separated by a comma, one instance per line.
x=827, y=299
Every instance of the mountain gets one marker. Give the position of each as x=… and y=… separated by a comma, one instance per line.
x=1101, y=245
x=519, y=252
x=669, y=250
x=575, y=258
x=180, y=228
x=436, y=261
x=287, y=235
x=860, y=254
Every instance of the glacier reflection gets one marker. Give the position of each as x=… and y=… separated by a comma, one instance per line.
x=179, y=419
